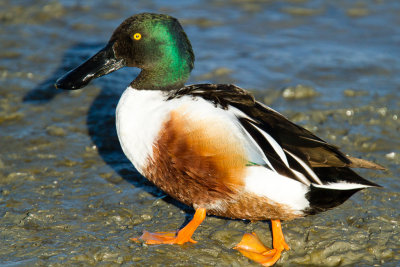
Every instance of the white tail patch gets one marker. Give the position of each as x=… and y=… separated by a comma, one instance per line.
x=278, y=188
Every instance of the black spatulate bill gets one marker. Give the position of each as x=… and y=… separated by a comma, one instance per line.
x=100, y=64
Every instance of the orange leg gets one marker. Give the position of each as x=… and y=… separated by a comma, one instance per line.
x=252, y=248
x=182, y=236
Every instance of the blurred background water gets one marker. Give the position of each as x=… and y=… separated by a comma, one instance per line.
x=68, y=196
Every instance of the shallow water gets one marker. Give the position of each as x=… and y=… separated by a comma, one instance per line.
x=68, y=196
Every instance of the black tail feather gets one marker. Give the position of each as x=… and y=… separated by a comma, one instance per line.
x=322, y=198
x=341, y=174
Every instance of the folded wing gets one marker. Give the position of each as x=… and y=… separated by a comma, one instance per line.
x=289, y=149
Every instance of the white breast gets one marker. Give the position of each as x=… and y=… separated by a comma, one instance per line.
x=141, y=114
x=139, y=117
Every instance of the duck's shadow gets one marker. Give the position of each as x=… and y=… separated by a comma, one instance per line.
x=101, y=116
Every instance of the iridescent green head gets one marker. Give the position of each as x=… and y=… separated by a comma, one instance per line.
x=155, y=43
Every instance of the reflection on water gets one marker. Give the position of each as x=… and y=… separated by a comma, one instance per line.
x=69, y=196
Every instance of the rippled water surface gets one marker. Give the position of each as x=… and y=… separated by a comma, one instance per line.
x=68, y=196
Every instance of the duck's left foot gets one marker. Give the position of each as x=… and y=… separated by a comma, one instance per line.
x=164, y=238
x=180, y=237
x=251, y=246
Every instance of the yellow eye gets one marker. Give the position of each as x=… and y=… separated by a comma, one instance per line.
x=137, y=36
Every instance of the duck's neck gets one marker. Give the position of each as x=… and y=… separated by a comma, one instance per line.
x=162, y=78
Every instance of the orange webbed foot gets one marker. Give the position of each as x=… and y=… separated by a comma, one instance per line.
x=163, y=238
x=180, y=237
x=251, y=246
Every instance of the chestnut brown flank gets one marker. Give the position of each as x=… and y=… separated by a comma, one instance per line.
x=203, y=165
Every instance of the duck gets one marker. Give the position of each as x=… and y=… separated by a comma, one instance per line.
x=214, y=147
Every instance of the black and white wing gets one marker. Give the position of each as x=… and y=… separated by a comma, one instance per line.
x=289, y=149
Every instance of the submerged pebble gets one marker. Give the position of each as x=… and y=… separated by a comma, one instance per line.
x=354, y=93
x=357, y=12
x=55, y=131
x=301, y=11
x=299, y=92
x=216, y=75
x=391, y=155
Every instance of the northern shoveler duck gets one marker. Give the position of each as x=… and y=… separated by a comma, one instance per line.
x=212, y=146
